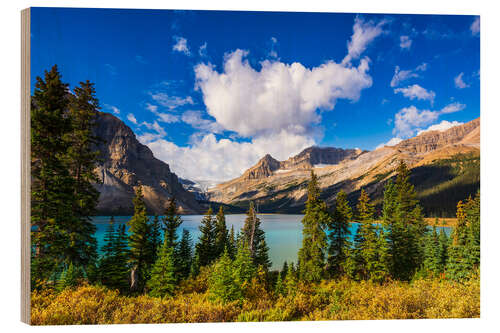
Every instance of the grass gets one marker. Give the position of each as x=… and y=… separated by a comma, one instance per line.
x=330, y=300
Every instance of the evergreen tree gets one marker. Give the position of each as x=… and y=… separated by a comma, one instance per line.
x=223, y=284
x=185, y=254
x=464, y=252
x=155, y=235
x=163, y=280
x=171, y=221
x=244, y=268
x=106, y=269
x=284, y=270
x=403, y=216
x=221, y=233
x=120, y=278
x=279, y=288
x=52, y=184
x=380, y=269
x=291, y=281
x=70, y=277
x=81, y=158
x=232, y=244
x=254, y=237
x=314, y=240
x=205, y=248
x=365, y=252
x=340, y=245
x=139, y=243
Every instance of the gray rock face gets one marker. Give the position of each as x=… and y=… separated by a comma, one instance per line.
x=126, y=163
x=319, y=155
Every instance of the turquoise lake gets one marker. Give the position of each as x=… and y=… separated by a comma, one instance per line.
x=283, y=232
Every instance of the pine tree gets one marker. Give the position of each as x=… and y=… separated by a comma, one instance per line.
x=314, y=240
x=221, y=233
x=232, y=244
x=364, y=253
x=81, y=158
x=406, y=227
x=205, y=248
x=464, y=252
x=185, y=253
x=291, y=281
x=284, y=270
x=254, y=237
x=380, y=269
x=70, y=277
x=171, y=221
x=139, y=243
x=120, y=278
x=279, y=288
x=340, y=245
x=244, y=268
x=163, y=280
x=223, y=285
x=52, y=184
x=155, y=235
x=106, y=268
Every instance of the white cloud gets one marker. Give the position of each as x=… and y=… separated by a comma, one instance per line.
x=181, y=45
x=391, y=142
x=441, y=127
x=475, y=27
x=418, y=92
x=451, y=108
x=170, y=102
x=410, y=120
x=405, y=42
x=196, y=120
x=278, y=97
x=162, y=116
x=113, y=108
x=131, y=118
x=363, y=34
x=211, y=159
x=459, y=82
x=403, y=75
x=202, y=51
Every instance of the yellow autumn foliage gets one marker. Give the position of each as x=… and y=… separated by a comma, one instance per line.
x=329, y=300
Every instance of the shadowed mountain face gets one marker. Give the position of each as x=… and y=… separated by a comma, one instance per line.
x=451, y=157
x=126, y=163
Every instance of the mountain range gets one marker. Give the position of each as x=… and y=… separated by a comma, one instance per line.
x=439, y=160
x=445, y=169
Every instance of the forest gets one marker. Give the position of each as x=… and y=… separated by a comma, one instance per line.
x=152, y=271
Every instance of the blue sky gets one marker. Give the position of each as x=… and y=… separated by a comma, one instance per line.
x=211, y=92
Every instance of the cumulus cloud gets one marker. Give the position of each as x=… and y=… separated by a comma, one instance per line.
x=410, y=119
x=181, y=45
x=441, y=127
x=459, y=82
x=131, y=118
x=417, y=92
x=403, y=75
x=209, y=158
x=405, y=42
x=391, y=142
x=475, y=27
x=279, y=96
x=363, y=34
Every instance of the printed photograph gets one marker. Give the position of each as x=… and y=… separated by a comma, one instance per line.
x=230, y=166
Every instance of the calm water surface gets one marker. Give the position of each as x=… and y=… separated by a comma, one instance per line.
x=283, y=232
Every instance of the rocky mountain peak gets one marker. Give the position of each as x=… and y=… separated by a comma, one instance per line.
x=433, y=140
x=264, y=168
x=126, y=163
x=314, y=155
